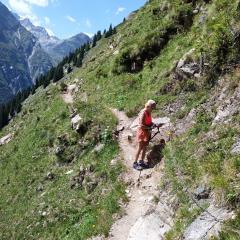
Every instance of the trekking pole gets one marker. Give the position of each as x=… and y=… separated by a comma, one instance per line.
x=139, y=177
x=169, y=131
x=155, y=134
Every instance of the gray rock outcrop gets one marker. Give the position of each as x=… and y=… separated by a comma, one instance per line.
x=207, y=224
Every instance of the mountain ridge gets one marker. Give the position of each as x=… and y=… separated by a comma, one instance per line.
x=27, y=52
x=56, y=48
x=19, y=52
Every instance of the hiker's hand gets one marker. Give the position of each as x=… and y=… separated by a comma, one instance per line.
x=153, y=126
x=160, y=125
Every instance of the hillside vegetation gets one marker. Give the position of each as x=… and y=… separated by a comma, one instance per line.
x=182, y=53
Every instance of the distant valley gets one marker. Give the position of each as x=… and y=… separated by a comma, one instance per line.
x=27, y=51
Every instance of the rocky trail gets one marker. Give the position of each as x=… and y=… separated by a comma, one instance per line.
x=143, y=217
x=149, y=213
x=144, y=214
x=67, y=95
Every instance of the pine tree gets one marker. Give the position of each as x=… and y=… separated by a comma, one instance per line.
x=87, y=47
x=58, y=73
x=45, y=81
x=82, y=52
x=69, y=69
x=94, y=42
x=41, y=80
x=109, y=32
x=65, y=60
x=74, y=60
x=5, y=116
x=99, y=35
x=12, y=107
x=1, y=116
x=70, y=57
x=18, y=102
x=79, y=61
x=37, y=83
x=33, y=89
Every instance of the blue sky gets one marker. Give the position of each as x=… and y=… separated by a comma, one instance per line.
x=65, y=18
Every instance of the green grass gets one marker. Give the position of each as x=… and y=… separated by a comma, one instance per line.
x=193, y=160
x=184, y=217
x=231, y=229
x=25, y=162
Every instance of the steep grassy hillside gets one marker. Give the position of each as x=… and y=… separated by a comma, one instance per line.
x=140, y=62
x=40, y=197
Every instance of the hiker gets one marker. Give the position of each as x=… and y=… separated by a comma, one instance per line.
x=144, y=134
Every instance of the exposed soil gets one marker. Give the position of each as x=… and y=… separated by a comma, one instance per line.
x=142, y=186
x=67, y=95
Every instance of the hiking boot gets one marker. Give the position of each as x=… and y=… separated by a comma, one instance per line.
x=137, y=166
x=143, y=164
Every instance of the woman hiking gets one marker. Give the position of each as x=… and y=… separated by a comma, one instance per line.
x=144, y=134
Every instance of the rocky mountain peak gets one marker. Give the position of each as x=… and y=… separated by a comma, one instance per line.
x=55, y=47
x=39, y=32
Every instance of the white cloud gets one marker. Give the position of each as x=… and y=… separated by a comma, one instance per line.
x=88, y=23
x=71, y=19
x=119, y=10
x=41, y=3
x=26, y=4
x=50, y=32
x=47, y=20
x=20, y=6
x=24, y=8
x=89, y=34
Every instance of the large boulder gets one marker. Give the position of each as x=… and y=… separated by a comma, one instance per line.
x=155, y=222
x=6, y=139
x=228, y=107
x=98, y=148
x=236, y=147
x=207, y=224
x=202, y=192
x=187, y=67
x=149, y=227
x=183, y=125
x=76, y=122
x=73, y=88
x=59, y=150
x=50, y=176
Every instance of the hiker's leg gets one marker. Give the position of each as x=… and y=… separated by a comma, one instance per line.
x=144, y=150
x=140, y=147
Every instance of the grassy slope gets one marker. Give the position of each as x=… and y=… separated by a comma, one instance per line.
x=129, y=91
x=108, y=85
x=25, y=162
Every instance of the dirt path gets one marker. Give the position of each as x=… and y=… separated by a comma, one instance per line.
x=142, y=186
x=68, y=94
x=67, y=97
x=141, y=191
